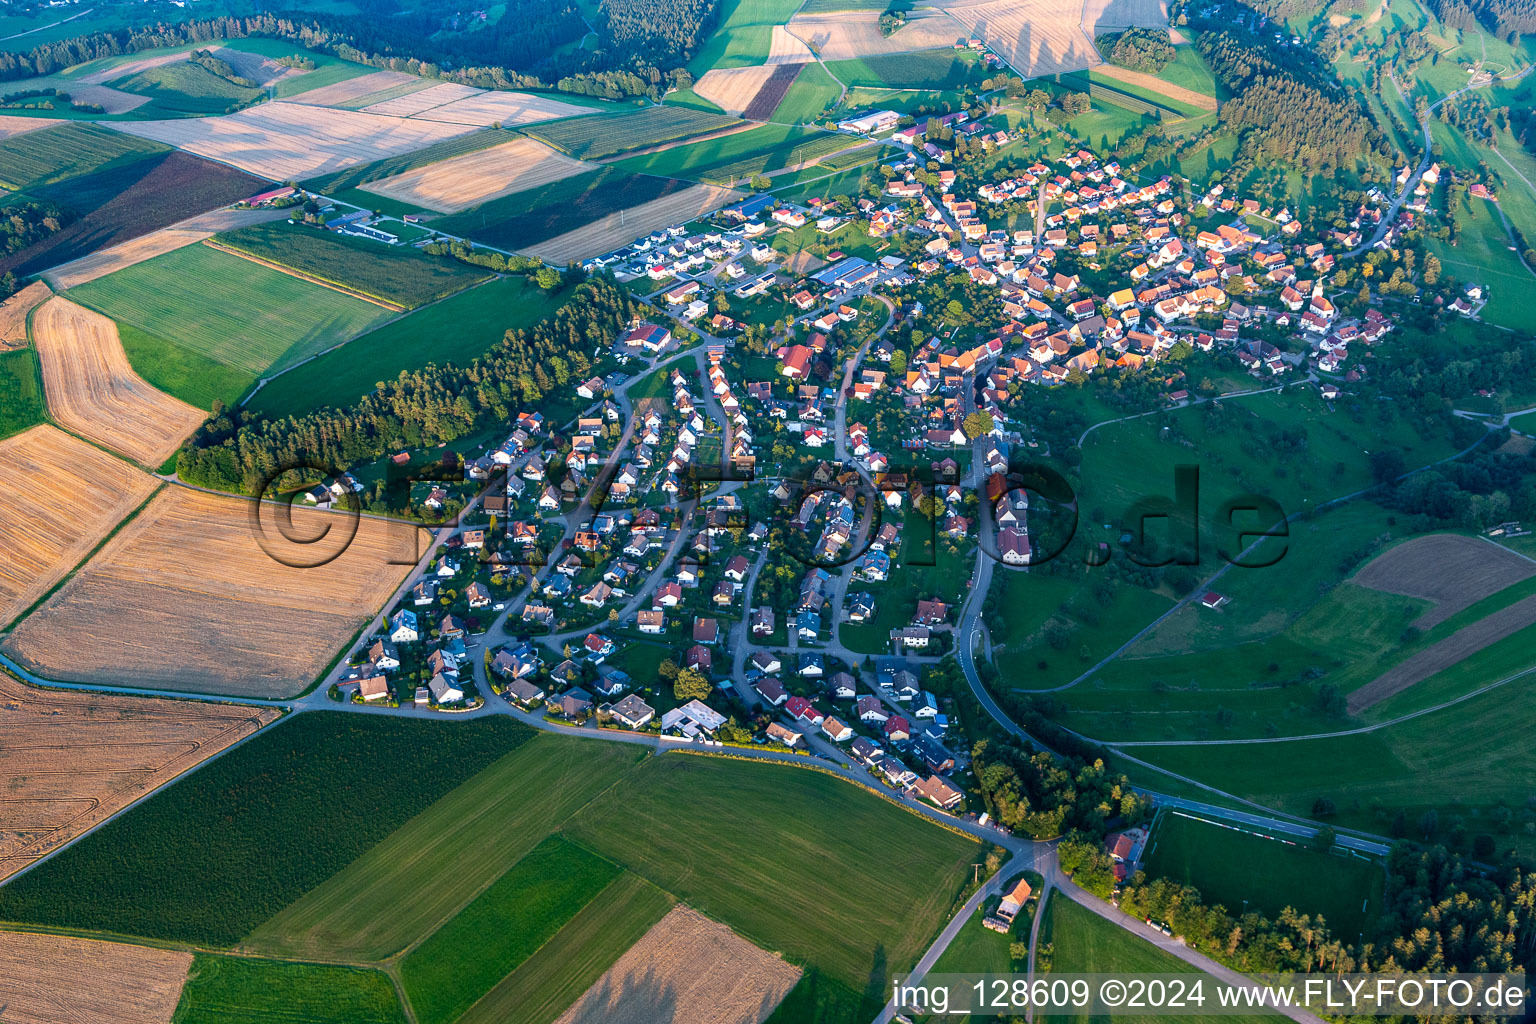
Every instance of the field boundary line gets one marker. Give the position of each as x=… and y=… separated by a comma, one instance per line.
x=393, y=307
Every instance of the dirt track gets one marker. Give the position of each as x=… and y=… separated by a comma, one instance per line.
x=1455, y=648
x=93, y=390
x=55, y=979
x=689, y=970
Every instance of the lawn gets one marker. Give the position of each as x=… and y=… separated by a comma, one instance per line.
x=980, y=950
x=416, y=879
x=601, y=135
x=456, y=330
x=397, y=274
x=744, y=35
x=185, y=89
x=575, y=957
x=21, y=393
x=241, y=990
x=795, y=861
x=1243, y=871
x=274, y=818
x=501, y=928
x=1190, y=71
x=538, y=214
x=1084, y=943
x=231, y=311
x=733, y=158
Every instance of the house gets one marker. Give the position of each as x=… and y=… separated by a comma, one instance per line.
x=1009, y=908
x=651, y=620
x=573, y=704
x=445, y=690
x=937, y=791
x=762, y=621
x=836, y=730
x=803, y=710
x=632, y=712
x=524, y=692
x=373, y=687
x=771, y=690
x=1211, y=599
x=898, y=729
x=872, y=710
x=692, y=719
x=383, y=656
x=706, y=631
x=766, y=662
x=402, y=628
x=783, y=734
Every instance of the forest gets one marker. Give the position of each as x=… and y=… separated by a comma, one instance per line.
x=1140, y=49
x=1504, y=18
x=421, y=408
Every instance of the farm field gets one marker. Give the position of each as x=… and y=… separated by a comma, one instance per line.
x=1084, y=943
x=109, y=983
x=265, y=319
x=733, y=89
x=818, y=895
x=392, y=96
x=1140, y=81
x=773, y=91
x=409, y=101
x=388, y=167
x=116, y=750
x=242, y=990
x=615, y=229
x=266, y=838
x=328, y=70
x=506, y=108
x=42, y=471
x=156, y=243
x=21, y=392
x=602, y=135
x=691, y=968
x=924, y=69
x=387, y=898
x=851, y=35
x=185, y=89
x=812, y=92
x=456, y=330
x=68, y=151
x=505, y=924
x=580, y=953
x=225, y=615
x=474, y=178
x=399, y=276
x=1239, y=870
x=748, y=34
x=732, y=159
x=92, y=389
x=1451, y=571
x=335, y=94
x=1482, y=256
x=14, y=311
x=291, y=142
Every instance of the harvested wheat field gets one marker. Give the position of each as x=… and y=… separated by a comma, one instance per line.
x=111, y=101
x=507, y=108
x=784, y=48
x=1157, y=85
x=58, y=497
x=156, y=243
x=73, y=759
x=12, y=125
x=1037, y=37
x=689, y=970
x=13, y=314
x=848, y=35
x=92, y=389
x=1101, y=16
x=1449, y=569
x=1454, y=649
x=259, y=69
x=127, y=68
x=56, y=979
x=733, y=89
x=287, y=141
x=352, y=88
x=610, y=232
x=464, y=181
x=426, y=99
x=187, y=597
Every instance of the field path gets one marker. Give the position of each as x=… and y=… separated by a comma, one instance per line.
x=93, y=390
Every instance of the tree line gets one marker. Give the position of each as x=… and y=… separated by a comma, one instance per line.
x=421, y=408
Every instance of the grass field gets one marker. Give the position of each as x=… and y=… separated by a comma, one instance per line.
x=328, y=69
x=455, y=330
x=21, y=392
x=921, y=69
x=602, y=135
x=1482, y=255
x=501, y=928
x=388, y=897
x=263, y=318
x=395, y=274
x=527, y=218
x=808, y=98
x=185, y=89
x=849, y=883
x=744, y=36
x=1084, y=943
x=734, y=158
x=575, y=957
x=1240, y=870
x=67, y=151
x=241, y=990
x=272, y=824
